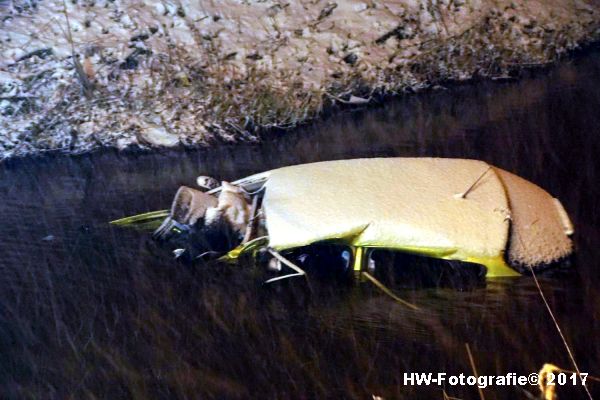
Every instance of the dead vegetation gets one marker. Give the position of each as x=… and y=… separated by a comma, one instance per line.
x=176, y=73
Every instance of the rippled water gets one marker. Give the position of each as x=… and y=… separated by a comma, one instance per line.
x=89, y=310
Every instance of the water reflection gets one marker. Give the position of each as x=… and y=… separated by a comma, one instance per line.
x=91, y=310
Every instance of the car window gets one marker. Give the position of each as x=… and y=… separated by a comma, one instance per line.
x=411, y=270
x=324, y=259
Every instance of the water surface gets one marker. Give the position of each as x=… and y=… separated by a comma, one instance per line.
x=88, y=310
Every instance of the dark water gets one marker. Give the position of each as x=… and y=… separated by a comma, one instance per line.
x=88, y=310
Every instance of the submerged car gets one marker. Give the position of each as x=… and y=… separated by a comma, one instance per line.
x=449, y=209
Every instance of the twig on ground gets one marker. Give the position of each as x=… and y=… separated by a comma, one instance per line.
x=86, y=85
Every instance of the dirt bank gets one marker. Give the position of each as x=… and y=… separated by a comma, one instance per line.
x=76, y=75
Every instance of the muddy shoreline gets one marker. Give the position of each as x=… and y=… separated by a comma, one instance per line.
x=263, y=136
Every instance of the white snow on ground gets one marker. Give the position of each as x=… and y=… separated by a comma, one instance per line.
x=76, y=75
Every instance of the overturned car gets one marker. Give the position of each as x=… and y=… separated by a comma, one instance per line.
x=447, y=209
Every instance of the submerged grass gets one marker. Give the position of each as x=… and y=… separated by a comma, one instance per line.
x=562, y=336
x=474, y=369
x=388, y=292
